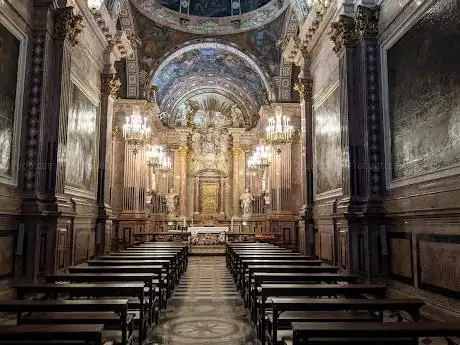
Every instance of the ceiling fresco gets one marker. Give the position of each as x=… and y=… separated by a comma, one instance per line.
x=211, y=17
x=212, y=8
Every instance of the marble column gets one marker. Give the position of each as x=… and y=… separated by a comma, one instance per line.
x=238, y=177
x=181, y=156
x=355, y=42
x=54, y=32
x=109, y=90
x=306, y=105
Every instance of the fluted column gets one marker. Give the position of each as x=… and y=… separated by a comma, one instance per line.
x=182, y=158
x=238, y=177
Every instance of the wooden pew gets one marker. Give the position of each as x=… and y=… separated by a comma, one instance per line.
x=155, y=270
x=101, y=290
x=115, y=313
x=52, y=334
x=279, y=305
x=179, y=260
x=151, y=284
x=370, y=333
x=310, y=290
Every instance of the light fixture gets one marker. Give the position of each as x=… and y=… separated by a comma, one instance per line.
x=279, y=130
x=136, y=132
x=95, y=5
x=260, y=159
x=165, y=164
x=153, y=154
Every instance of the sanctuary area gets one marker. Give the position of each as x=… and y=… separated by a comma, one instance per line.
x=232, y=172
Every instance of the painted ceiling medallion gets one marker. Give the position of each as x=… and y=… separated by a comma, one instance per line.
x=217, y=17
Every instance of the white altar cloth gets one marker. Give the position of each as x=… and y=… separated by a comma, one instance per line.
x=207, y=229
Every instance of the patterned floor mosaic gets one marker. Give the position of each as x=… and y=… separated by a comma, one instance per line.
x=205, y=309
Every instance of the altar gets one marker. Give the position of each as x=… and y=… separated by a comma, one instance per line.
x=208, y=235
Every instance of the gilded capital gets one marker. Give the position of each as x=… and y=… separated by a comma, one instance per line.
x=343, y=33
x=237, y=152
x=110, y=85
x=367, y=20
x=182, y=151
x=68, y=25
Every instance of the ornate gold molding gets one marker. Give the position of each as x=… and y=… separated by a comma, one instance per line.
x=343, y=33
x=110, y=85
x=68, y=25
x=304, y=87
x=367, y=20
x=117, y=133
x=238, y=151
x=151, y=94
x=182, y=151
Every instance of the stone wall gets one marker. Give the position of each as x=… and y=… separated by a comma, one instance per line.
x=421, y=90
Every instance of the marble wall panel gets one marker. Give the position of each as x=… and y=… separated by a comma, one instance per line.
x=326, y=246
x=81, y=245
x=401, y=260
x=440, y=264
x=424, y=93
x=325, y=66
x=328, y=151
x=6, y=255
x=81, y=150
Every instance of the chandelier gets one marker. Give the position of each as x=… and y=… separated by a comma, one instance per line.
x=153, y=154
x=136, y=132
x=165, y=164
x=279, y=130
x=95, y=5
x=260, y=159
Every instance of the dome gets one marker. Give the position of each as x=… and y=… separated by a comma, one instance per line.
x=213, y=8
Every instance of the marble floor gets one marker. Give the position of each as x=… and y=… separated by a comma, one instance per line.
x=205, y=309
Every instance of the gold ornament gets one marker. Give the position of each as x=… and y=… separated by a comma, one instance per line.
x=237, y=152
x=367, y=20
x=343, y=33
x=300, y=89
x=114, y=86
x=182, y=151
x=68, y=25
x=117, y=133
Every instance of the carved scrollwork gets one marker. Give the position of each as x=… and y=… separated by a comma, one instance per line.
x=68, y=25
x=343, y=33
x=367, y=20
x=110, y=85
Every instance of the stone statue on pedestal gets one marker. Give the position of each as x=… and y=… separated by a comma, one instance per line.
x=172, y=200
x=246, y=200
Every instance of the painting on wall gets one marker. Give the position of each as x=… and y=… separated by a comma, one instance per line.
x=212, y=8
x=328, y=149
x=424, y=93
x=81, y=153
x=9, y=57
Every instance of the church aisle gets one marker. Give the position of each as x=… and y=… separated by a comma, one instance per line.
x=206, y=309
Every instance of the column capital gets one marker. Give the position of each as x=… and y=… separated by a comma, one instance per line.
x=367, y=20
x=343, y=33
x=68, y=25
x=238, y=151
x=182, y=151
x=110, y=85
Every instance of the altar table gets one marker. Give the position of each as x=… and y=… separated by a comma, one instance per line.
x=208, y=235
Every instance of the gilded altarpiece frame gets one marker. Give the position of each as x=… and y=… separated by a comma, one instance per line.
x=209, y=197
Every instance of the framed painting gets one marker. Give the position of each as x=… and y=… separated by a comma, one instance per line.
x=12, y=69
x=82, y=142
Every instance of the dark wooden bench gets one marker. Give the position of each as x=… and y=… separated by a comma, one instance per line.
x=52, y=334
x=112, y=313
x=259, y=311
x=370, y=333
x=279, y=305
x=102, y=290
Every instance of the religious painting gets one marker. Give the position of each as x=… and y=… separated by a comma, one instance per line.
x=328, y=149
x=424, y=93
x=9, y=57
x=82, y=136
x=210, y=149
x=209, y=197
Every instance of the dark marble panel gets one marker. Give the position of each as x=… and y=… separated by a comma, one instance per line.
x=9, y=56
x=424, y=93
x=6, y=253
x=328, y=151
x=82, y=140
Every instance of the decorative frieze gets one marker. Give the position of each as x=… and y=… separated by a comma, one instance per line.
x=343, y=33
x=68, y=25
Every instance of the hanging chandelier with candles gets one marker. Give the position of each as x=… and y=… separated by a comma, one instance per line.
x=165, y=165
x=279, y=130
x=260, y=159
x=136, y=131
x=153, y=154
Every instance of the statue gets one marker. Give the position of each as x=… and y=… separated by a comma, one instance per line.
x=267, y=198
x=148, y=196
x=237, y=116
x=172, y=199
x=246, y=200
